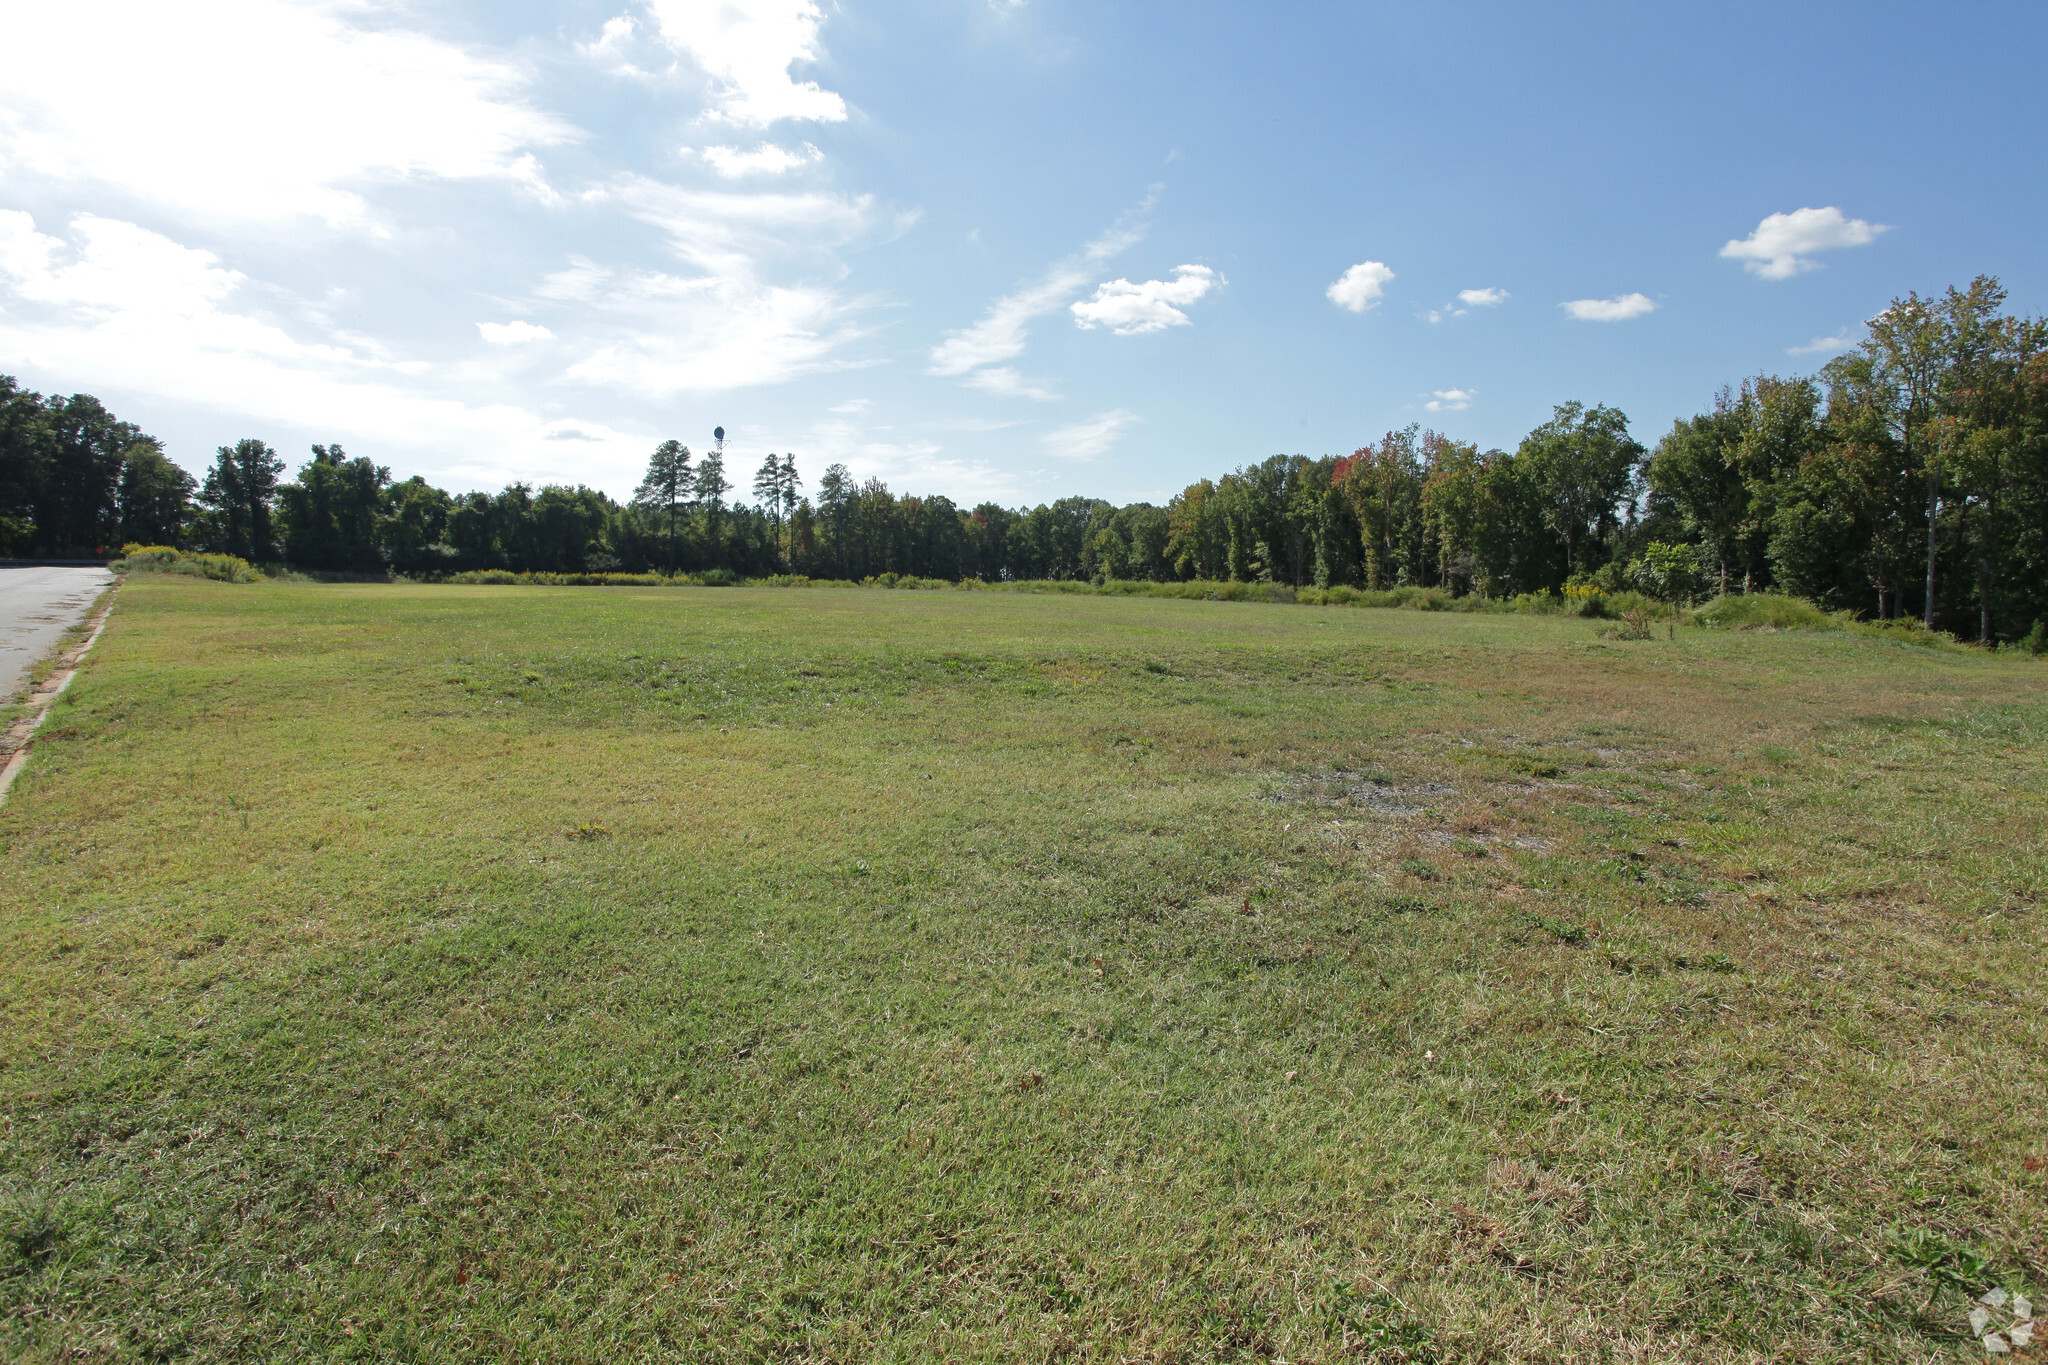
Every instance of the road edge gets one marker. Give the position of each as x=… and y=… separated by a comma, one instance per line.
x=39, y=701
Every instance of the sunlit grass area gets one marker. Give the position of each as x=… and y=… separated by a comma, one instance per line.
x=417, y=973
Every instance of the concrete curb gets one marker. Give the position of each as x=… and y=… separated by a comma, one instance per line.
x=44, y=696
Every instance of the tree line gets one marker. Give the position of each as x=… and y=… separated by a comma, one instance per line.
x=1909, y=477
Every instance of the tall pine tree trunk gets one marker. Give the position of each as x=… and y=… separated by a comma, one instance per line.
x=1933, y=506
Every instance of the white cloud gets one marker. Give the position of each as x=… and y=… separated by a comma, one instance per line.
x=766, y=159
x=761, y=307
x=747, y=48
x=1003, y=330
x=144, y=314
x=1086, y=440
x=852, y=407
x=1360, y=287
x=1451, y=400
x=1128, y=309
x=1006, y=382
x=1783, y=243
x=914, y=465
x=527, y=174
x=612, y=44
x=261, y=110
x=1617, y=309
x=1841, y=341
x=513, y=333
x=665, y=334
x=1468, y=299
x=715, y=228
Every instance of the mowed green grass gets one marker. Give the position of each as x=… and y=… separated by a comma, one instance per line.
x=433, y=973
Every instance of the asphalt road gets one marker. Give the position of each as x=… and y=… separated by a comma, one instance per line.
x=36, y=607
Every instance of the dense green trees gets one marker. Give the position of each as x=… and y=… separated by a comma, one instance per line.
x=1909, y=477
x=64, y=474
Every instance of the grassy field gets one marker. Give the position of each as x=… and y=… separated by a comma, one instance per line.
x=439, y=973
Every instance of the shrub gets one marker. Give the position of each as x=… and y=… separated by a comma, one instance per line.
x=1632, y=622
x=1584, y=597
x=716, y=578
x=1620, y=604
x=1767, y=611
x=1776, y=611
x=1905, y=631
x=2035, y=641
x=165, y=559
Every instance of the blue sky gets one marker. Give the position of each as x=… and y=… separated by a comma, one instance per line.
x=1008, y=250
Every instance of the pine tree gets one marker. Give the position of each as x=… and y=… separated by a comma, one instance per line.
x=668, y=486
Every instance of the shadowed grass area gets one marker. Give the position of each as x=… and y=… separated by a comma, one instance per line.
x=401, y=973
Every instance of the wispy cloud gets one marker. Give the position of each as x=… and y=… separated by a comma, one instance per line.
x=145, y=314
x=916, y=463
x=766, y=159
x=649, y=332
x=1620, y=308
x=1451, y=400
x=1086, y=440
x=1784, y=244
x=1360, y=287
x=1128, y=309
x=1004, y=330
x=163, y=105
x=1841, y=341
x=761, y=306
x=1468, y=299
x=1005, y=381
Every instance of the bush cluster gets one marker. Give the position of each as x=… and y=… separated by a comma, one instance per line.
x=166, y=559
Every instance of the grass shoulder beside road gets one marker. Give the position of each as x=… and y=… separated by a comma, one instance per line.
x=402, y=972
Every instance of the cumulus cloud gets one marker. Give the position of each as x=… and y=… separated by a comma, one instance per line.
x=1129, y=309
x=766, y=159
x=1620, y=308
x=1086, y=440
x=1450, y=400
x=1784, y=244
x=1004, y=330
x=513, y=333
x=258, y=110
x=1360, y=287
x=145, y=314
x=747, y=48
